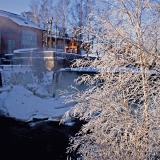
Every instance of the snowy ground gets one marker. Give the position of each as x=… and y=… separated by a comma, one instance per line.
x=18, y=102
x=25, y=97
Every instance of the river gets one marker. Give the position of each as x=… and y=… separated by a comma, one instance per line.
x=44, y=141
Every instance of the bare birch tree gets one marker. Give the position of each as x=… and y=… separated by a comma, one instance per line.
x=122, y=102
x=63, y=6
x=45, y=11
x=63, y=12
x=56, y=21
x=40, y=12
x=33, y=14
x=79, y=16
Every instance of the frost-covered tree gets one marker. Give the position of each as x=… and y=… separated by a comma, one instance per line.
x=122, y=102
x=79, y=14
x=63, y=6
x=56, y=21
x=40, y=12
x=46, y=10
x=33, y=14
x=63, y=13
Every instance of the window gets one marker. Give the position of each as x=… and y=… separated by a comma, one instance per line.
x=29, y=39
x=10, y=46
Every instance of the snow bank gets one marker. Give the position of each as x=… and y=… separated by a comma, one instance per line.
x=5, y=89
x=22, y=104
x=27, y=94
x=24, y=75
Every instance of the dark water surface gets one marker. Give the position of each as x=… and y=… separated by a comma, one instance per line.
x=44, y=141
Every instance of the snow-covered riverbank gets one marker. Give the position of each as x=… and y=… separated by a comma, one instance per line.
x=18, y=102
x=28, y=95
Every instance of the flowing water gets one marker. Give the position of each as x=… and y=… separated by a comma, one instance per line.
x=43, y=141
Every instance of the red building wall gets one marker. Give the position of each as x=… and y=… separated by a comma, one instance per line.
x=12, y=31
x=39, y=35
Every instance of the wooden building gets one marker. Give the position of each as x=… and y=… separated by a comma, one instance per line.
x=16, y=32
x=72, y=47
x=61, y=43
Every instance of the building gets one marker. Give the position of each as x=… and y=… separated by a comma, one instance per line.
x=16, y=32
x=72, y=47
x=59, y=43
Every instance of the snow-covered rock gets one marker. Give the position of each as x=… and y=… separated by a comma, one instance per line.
x=42, y=93
x=5, y=89
x=33, y=87
x=69, y=121
x=3, y=95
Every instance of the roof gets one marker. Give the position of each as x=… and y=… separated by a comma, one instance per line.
x=62, y=37
x=20, y=20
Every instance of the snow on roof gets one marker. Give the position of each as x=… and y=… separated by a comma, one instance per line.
x=25, y=50
x=109, y=70
x=20, y=20
x=80, y=69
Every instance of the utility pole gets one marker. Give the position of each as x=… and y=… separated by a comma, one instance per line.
x=56, y=39
x=64, y=36
x=47, y=36
x=51, y=19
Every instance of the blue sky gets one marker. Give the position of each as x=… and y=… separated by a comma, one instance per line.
x=16, y=6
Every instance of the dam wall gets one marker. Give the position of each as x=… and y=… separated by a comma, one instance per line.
x=44, y=60
x=52, y=82
x=49, y=69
